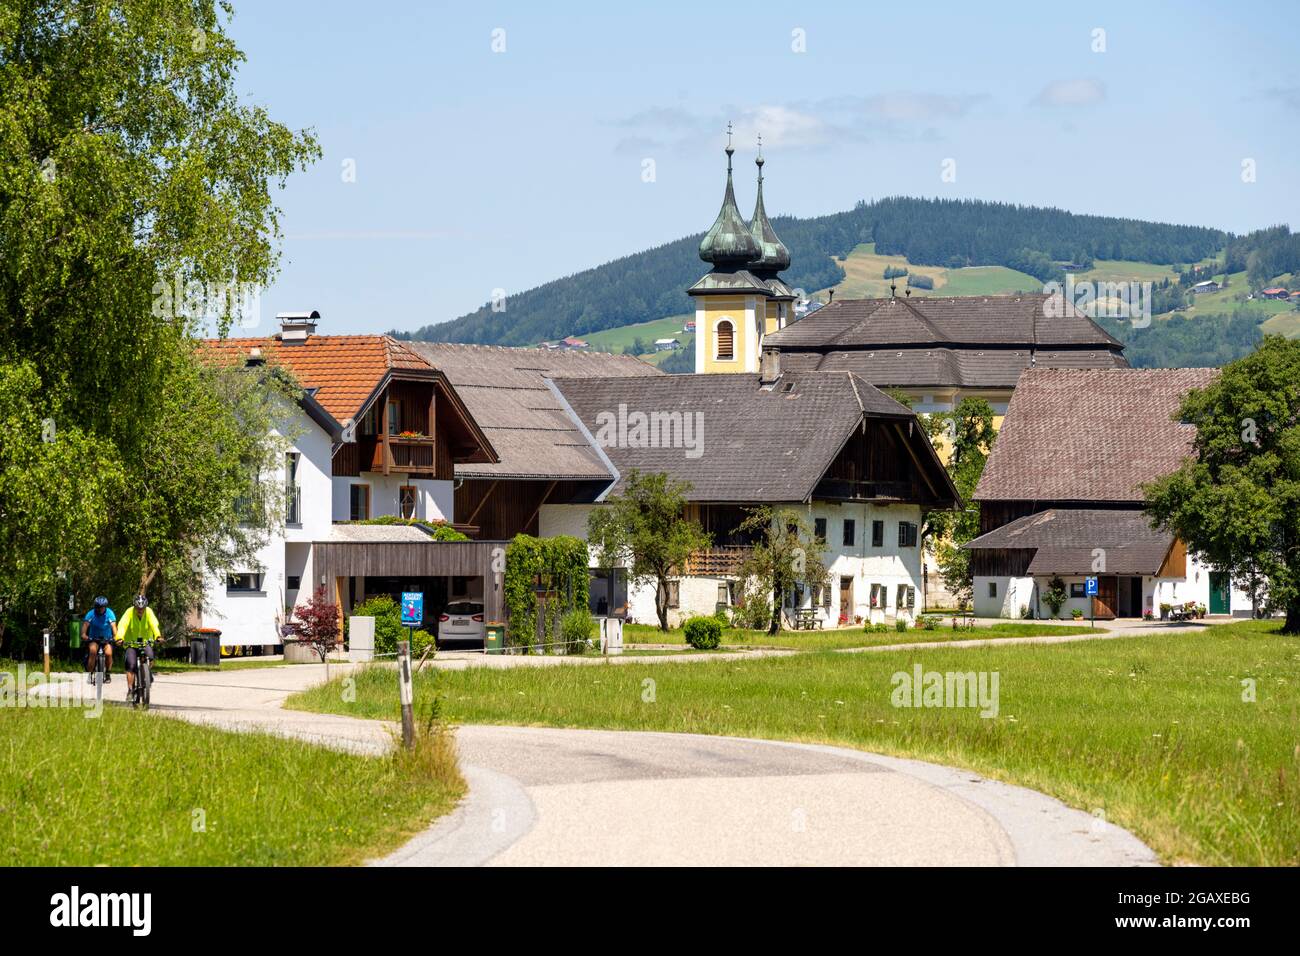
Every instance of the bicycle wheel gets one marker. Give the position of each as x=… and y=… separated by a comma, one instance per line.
x=99, y=678
x=142, y=681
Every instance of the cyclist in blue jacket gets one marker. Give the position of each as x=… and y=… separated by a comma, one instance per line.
x=99, y=630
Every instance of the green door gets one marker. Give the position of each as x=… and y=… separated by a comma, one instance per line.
x=1220, y=596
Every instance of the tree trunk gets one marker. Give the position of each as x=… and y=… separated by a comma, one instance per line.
x=661, y=604
x=775, y=625
x=1292, y=625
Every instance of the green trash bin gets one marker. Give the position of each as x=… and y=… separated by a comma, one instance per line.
x=74, y=634
x=494, y=640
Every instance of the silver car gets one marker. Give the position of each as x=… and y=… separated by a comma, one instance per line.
x=462, y=621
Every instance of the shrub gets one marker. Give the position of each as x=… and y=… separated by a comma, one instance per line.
x=920, y=282
x=1076, y=614
x=703, y=633
x=1055, y=595
x=929, y=622
x=577, y=628
x=1025, y=612
x=900, y=625
x=875, y=629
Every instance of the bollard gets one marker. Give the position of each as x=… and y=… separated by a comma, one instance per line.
x=405, y=694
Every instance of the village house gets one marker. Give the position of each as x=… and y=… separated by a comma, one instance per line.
x=1061, y=495
x=377, y=433
x=855, y=463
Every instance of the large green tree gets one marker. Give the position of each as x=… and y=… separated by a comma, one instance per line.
x=966, y=434
x=787, y=552
x=644, y=529
x=136, y=206
x=1236, y=500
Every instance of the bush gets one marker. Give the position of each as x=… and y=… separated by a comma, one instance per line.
x=929, y=622
x=876, y=629
x=577, y=628
x=1076, y=614
x=1055, y=596
x=703, y=633
x=388, y=624
x=920, y=282
x=900, y=625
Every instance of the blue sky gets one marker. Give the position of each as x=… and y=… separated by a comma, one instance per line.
x=477, y=170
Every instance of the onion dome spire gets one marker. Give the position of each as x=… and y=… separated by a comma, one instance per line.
x=773, y=255
x=729, y=242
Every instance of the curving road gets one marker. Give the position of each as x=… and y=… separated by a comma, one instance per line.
x=542, y=796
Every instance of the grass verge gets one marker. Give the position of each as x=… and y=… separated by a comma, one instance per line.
x=839, y=638
x=1158, y=731
x=130, y=789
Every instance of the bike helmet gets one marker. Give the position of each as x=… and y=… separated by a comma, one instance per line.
x=141, y=602
x=100, y=604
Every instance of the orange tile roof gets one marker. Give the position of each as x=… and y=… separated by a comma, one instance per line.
x=344, y=369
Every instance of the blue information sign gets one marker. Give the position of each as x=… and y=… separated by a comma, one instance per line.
x=1090, y=587
x=412, y=608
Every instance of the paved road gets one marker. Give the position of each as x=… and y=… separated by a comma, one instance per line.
x=558, y=797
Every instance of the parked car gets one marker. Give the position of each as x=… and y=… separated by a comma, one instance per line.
x=461, y=621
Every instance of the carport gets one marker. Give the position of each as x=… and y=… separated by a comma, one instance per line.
x=355, y=553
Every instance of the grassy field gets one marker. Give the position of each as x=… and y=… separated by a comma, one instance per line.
x=1125, y=270
x=615, y=340
x=144, y=780
x=864, y=273
x=1152, y=731
x=839, y=638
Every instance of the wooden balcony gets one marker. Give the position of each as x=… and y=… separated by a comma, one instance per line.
x=847, y=489
x=721, y=561
x=414, y=456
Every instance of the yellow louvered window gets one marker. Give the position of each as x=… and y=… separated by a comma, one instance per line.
x=726, y=340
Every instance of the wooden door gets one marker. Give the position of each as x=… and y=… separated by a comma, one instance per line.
x=1103, y=605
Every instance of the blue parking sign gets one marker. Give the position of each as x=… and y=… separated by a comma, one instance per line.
x=1090, y=587
x=412, y=608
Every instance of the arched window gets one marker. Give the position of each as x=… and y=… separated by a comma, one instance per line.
x=726, y=339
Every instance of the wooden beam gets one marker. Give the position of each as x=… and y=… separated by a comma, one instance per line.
x=537, y=510
x=482, y=501
x=898, y=427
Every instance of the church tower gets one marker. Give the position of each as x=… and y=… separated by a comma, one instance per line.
x=731, y=302
x=773, y=258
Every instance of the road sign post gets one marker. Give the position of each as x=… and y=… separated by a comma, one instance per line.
x=47, y=653
x=412, y=618
x=405, y=694
x=1090, y=588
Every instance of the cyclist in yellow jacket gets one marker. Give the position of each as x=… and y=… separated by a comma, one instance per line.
x=137, y=631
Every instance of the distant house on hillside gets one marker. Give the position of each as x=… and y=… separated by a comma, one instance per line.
x=1277, y=292
x=688, y=326
x=667, y=345
x=567, y=344
x=1209, y=285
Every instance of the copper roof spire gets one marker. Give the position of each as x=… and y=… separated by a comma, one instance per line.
x=729, y=242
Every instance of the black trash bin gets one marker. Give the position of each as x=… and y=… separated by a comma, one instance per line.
x=205, y=647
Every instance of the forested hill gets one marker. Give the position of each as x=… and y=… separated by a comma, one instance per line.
x=943, y=232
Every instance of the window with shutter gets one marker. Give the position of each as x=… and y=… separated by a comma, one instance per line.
x=726, y=339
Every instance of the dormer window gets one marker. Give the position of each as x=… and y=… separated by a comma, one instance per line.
x=726, y=341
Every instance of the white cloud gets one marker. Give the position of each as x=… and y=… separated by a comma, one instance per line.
x=1070, y=94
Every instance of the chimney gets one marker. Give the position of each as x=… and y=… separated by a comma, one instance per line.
x=254, y=357
x=769, y=369
x=297, y=326
x=832, y=298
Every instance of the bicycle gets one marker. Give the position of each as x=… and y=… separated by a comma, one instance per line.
x=101, y=670
x=138, y=697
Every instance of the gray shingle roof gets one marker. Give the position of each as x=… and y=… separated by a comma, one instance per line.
x=1065, y=541
x=506, y=393
x=753, y=445
x=1090, y=434
x=973, y=341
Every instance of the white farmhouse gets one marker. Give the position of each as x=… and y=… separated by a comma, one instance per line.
x=1061, y=496
x=853, y=461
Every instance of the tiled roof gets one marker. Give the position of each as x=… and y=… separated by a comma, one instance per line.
x=1090, y=434
x=753, y=445
x=973, y=341
x=1066, y=541
x=505, y=390
x=343, y=369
